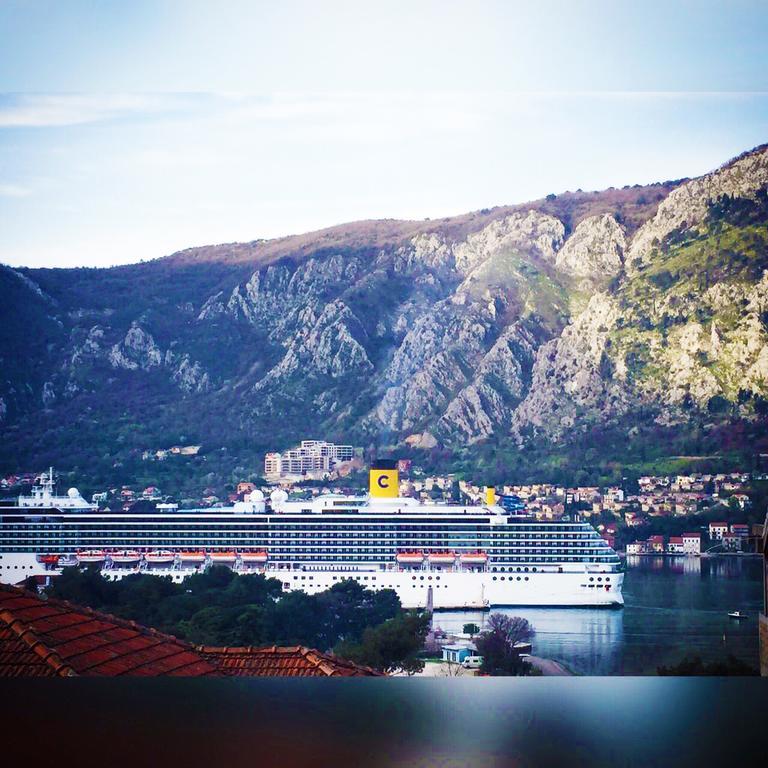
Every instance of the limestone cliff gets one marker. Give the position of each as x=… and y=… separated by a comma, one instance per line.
x=525, y=323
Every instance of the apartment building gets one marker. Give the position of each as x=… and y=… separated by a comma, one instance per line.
x=313, y=458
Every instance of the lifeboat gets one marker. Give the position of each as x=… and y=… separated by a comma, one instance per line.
x=125, y=557
x=49, y=559
x=474, y=558
x=254, y=557
x=410, y=558
x=223, y=557
x=90, y=556
x=192, y=557
x=160, y=557
x=441, y=558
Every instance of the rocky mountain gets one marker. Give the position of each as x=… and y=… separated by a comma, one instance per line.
x=605, y=321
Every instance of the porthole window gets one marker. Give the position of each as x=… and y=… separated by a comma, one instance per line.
x=526, y=578
x=494, y=578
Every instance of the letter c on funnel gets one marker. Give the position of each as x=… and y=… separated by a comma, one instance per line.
x=383, y=481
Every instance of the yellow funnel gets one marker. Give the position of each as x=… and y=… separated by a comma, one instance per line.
x=384, y=480
x=490, y=496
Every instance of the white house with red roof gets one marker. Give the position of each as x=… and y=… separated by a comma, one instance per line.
x=732, y=542
x=717, y=530
x=740, y=529
x=692, y=543
x=675, y=545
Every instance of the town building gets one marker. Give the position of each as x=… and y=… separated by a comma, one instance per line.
x=675, y=545
x=717, y=530
x=656, y=544
x=455, y=654
x=732, y=542
x=637, y=548
x=692, y=543
x=313, y=459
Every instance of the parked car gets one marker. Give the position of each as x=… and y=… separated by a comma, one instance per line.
x=472, y=662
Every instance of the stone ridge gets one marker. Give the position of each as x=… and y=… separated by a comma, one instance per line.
x=515, y=324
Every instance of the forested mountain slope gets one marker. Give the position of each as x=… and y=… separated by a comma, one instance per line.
x=586, y=327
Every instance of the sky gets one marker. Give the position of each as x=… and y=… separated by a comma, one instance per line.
x=132, y=130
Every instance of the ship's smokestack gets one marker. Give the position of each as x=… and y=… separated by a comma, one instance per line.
x=384, y=479
x=490, y=496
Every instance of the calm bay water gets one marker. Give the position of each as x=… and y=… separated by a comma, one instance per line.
x=673, y=606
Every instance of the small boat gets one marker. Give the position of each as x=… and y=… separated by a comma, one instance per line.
x=223, y=557
x=125, y=557
x=441, y=558
x=737, y=615
x=474, y=558
x=91, y=556
x=49, y=559
x=410, y=558
x=160, y=557
x=195, y=556
x=254, y=557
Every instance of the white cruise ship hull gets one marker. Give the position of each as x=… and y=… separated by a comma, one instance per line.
x=455, y=590
x=449, y=589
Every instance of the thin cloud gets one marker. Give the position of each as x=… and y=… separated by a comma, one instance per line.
x=55, y=110
x=14, y=190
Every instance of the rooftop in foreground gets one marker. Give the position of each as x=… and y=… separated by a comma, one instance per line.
x=276, y=661
x=47, y=637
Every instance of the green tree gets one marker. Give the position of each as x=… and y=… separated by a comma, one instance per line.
x=219, y=607
x=392, y=646
x=471, y=629
x=497, y=645
x=84, y=586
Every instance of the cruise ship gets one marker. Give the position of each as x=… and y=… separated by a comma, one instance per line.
x=433, y=555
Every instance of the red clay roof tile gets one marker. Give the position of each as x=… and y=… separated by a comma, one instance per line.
x=23, y=655
x=49, y=637
x=71, y=639
x=276, y=661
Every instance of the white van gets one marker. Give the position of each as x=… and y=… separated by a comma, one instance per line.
x=472, y=662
